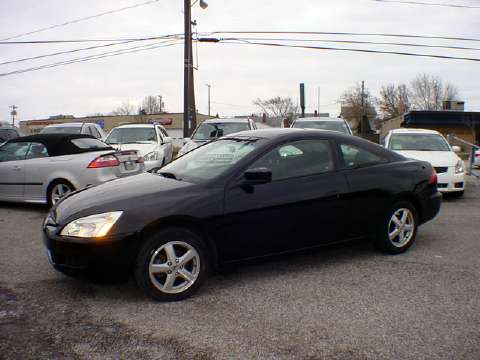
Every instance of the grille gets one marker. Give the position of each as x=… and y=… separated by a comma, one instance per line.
x=440, y=170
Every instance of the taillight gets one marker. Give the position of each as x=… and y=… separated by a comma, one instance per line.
x=433, y=178
x=103, y=162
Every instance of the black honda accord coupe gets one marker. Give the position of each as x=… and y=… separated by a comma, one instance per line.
x=247, y=195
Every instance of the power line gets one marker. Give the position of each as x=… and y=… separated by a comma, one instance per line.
x=77, y=50
x=244, y=42
x=357, y=42
x=429, y=4
x=134, y=49
x=83, y=40
x=344, y=33
x=80, y=20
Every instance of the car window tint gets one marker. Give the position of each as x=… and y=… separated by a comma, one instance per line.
x=89, y=143
x=354, y=156
x=36, y=151
x=299, y=158
x=14, y=151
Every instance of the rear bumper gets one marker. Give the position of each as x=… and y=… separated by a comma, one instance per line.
x=112, y=252
x=431, y=207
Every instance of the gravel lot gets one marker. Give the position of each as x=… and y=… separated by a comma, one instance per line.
x=346, y=302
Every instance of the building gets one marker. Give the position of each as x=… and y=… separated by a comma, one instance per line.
x=465, y=125
x=173, y=122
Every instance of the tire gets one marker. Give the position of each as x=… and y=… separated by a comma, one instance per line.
x=172, y=279
x=387, y=240
x=52, y=193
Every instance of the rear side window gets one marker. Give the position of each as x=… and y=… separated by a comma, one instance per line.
x=89, y=144
x=354, y=156
x=298, y=158
x=37, y=151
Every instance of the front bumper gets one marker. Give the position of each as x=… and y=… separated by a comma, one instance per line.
x=451, y=182
x=112, y=251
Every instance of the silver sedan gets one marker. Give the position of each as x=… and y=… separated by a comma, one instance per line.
x=44, y=168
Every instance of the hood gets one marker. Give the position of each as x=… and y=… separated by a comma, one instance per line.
x=193, y=144
x=435, y=158
x=143, y=149
x=126, y=194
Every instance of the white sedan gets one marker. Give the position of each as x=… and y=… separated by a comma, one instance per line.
x=431, y=146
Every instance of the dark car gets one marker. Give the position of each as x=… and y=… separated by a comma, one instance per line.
x=246, y=195
x=9, y=132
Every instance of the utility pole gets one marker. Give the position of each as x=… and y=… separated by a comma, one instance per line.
x=363, y=97
x=209, y=87
x=13, y=113
x=189, y=108
x=302, y=99
x=318, y=101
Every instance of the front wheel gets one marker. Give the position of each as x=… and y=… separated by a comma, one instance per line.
x=172, y=265
x=399, y=228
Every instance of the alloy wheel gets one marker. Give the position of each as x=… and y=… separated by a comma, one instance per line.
x=59, y=191
x=174, y=267
x=401, y=227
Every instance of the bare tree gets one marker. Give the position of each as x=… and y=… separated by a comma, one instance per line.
x=428, y=92
x=353, y=108
x=126, y=108
x=151, y=105
x=278, y=107
x=394, y=100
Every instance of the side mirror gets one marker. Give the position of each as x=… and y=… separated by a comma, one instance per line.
x=257, y=176
x=456, y=149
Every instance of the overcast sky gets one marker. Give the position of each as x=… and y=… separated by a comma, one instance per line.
x=238, y=73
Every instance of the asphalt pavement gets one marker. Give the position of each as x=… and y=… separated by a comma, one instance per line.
x=345, y=302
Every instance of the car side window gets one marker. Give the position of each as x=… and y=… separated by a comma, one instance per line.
x=14, y=151
x=36, y=151
x=354, y=156
x=95, y=132
x=298, y=158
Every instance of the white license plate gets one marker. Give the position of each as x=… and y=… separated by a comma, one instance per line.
x=129, y=165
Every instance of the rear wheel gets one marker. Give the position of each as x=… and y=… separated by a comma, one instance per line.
x=57, y=190
x=172, y=264
x=399, y=228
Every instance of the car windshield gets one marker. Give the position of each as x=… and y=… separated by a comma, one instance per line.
x=418, y=142
x=322, y=125
x=209, y=161
x=61, y=130
x=132, y=135
x=208, y=131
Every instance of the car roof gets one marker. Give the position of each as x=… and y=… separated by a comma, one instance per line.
x=278, y=133
x=226, y=120
x=414, y=131
x=57, y=144
x=137, y=126
x=321, y=119
x=71, y=124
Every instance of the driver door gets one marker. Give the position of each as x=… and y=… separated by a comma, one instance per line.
x=12, y=170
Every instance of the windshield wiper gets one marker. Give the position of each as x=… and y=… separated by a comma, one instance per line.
x=168, y=175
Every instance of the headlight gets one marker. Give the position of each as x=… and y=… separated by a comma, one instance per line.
x=91, y=226
x=153, y=156
x=459, y=167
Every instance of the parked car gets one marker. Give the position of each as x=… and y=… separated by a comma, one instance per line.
x=75, y=128
x=213, y=129
x=476, y=161
x=323, y=123
x=44, y=168
x=150, y=140
x=247, y=195
x=431, y=146
x=8, y=132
